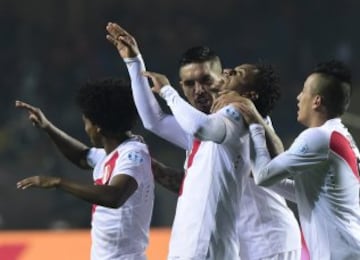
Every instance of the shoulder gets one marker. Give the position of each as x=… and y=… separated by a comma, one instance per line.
x=134, y=152
x=315, y=139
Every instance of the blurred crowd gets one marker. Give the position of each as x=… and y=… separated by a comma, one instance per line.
x=48, y=48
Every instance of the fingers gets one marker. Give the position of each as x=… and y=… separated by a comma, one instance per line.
x=116, y=30
x=148, y=74
x=25, y=183
x=111, y=39
x=20, y=104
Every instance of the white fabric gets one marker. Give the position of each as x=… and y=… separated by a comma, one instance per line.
x=266, y=226
x=322, y=161
x=122, y=233
x=152, y=116
x=290, y=255
x=206, y=214
x=250, y=209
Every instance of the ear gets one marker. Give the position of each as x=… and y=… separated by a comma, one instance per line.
x=317, y=102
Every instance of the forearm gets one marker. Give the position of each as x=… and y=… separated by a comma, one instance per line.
x=167, y=177
x=149, y=109
x=71, y=148
x=193, y=121
x=273, y=141
x=103, y=195
x=150, y=112
x=265, y=173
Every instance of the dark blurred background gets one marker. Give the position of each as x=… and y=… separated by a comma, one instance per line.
x=48, y=48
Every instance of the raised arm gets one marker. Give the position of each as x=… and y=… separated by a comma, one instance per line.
x=74, y=150
x=151, y=114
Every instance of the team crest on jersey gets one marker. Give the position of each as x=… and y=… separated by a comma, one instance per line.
x=231, y=112
x=135, y=157
x=302, y=148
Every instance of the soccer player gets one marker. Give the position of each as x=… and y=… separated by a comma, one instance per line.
x=200, y=72
x=123, y=191
x=323, y=161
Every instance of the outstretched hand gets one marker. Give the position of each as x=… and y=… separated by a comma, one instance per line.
x=36, y=116
x=158, y=80
x=39, y=182
x=122, y=40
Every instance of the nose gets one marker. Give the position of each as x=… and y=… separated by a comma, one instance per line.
x=199, y=88
x=227, y=72
x=298, y=97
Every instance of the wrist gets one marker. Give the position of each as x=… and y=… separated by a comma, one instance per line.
x=57, y=182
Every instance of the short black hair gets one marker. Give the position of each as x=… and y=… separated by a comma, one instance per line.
x=109, y=104
x=267, y=85
x=335, y=86
x=198, y=54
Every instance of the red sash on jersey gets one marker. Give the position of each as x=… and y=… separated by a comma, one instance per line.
x=194, y=149
x=108, y=170
x=340, y=145
x=305, y=255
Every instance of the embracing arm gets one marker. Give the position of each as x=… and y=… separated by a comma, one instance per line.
x=71, y=148
x=308, y=151
x=167, y=177
x=113, y=195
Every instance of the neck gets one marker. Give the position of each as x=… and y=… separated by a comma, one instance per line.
x=318, y=120
x=110, y=143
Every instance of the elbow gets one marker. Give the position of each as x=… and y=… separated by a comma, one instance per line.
x=114, y=203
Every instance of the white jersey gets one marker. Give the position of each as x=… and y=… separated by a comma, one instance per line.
x=323, y=163
x=206, y=214
x=122, y=233
x=266, y=224
x=167, y=127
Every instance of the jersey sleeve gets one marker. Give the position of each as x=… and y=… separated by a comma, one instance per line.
x=150, y=112
x=310, y=149
x=216, y=127
x=134, y=162
x=94, y=155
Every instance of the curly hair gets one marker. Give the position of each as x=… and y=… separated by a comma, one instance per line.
x=266, y=85
x=334, y=86
x=109, y=104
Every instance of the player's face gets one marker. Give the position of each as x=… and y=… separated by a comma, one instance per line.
x=239, y=78
x=199, y=81
x=306, y=99
x=92, y=131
